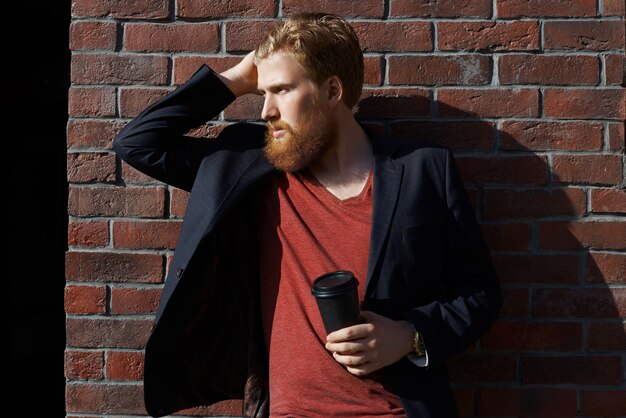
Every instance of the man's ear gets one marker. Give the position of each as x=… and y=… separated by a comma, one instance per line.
x=335, y=90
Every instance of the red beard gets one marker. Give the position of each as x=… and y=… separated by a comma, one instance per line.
x=300, y=146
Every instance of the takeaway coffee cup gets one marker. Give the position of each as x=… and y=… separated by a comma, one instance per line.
x=337, y=299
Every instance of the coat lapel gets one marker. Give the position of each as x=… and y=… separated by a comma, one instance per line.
x=212, y=196
x=387, y=182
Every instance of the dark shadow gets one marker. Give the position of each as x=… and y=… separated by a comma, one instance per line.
x=554, y=273
x=38, y=85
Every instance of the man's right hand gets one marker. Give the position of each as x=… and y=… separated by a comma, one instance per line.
x=242, y=78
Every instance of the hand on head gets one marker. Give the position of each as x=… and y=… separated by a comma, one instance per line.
x=242, y=78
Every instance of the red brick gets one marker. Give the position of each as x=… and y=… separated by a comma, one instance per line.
x=178, y=203
x=508, y=203
x=584, y=103
x=394, y=36
x=135, y=100
x=133, y=176
x=145, y=202
x=113, y=267
x=346, y=8
x=549, y=69
x=580, y=303
x=606, y=268
x=516, y=303
x=492, y=36
x=119, y=69
x=246, y=107
x=440, y=70
x=140, y=9
x=488, y=103
x=107, y=332
x=412, y=8
x=186, y=66
x=545, y=8
x=87, y=233
x=481, y=368
x=587, y=169
x=225, y=8
x=146, y=234
x=604, y=403
x=375, y=128
x=583, y=35
x=576, y=234
x=474, y=195
x=134, y=301
x=183, y=37
x=91, y=101
x=607, y=336
x=614, y=67
x=552, y=269
x=616, y=137
x=464, y=401
x=92, y=133
x=456, y=135
x=519, y=336
x=509, y=170
x=613, y=8
x=373, y=69
x=507, y=237
x=85, y=299
x=390, y=103
x=124, y=365
x=245, y=35
x=541, y=135
x=573, y=370
x=108, y=399
x=88, y=167
x=84, y=365
x=85, y=35
x=526, y=402
x=608, y=200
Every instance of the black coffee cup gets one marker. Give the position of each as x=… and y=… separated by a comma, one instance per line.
x=337, y=299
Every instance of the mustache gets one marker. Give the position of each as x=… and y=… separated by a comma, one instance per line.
x=278, y=125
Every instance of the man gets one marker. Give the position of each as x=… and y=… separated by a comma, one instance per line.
x=272, y=208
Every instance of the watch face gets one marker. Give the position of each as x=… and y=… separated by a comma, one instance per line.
x=418, y=345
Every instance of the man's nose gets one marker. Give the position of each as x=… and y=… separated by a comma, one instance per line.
x=270, y=111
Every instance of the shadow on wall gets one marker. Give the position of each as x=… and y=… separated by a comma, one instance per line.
x=560, y=335
x=561, y=326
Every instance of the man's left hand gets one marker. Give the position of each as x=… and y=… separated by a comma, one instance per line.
x=371, y=345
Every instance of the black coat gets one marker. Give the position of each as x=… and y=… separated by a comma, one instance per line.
x=428, y=262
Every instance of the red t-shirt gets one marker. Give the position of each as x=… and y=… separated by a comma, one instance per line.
x=303, y=232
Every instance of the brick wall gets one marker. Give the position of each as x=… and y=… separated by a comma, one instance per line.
x=528, y=93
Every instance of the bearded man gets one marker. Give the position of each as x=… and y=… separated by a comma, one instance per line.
x=273, y=207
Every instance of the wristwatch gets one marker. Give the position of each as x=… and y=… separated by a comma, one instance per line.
x=418, y=344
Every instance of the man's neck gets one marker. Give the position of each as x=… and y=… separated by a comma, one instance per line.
x=344, y=168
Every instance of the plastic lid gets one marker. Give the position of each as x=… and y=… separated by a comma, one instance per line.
x=334, y=283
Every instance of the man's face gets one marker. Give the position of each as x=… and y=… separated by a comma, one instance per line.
x=300, y=128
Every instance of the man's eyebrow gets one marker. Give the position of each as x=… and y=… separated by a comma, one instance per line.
x=275, y=86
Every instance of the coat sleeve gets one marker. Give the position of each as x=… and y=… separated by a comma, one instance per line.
x=154, y=142
x=473, y=297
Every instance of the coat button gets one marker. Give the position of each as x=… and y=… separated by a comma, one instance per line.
x=179, y=272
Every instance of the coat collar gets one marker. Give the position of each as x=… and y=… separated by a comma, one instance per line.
x=387, y=182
